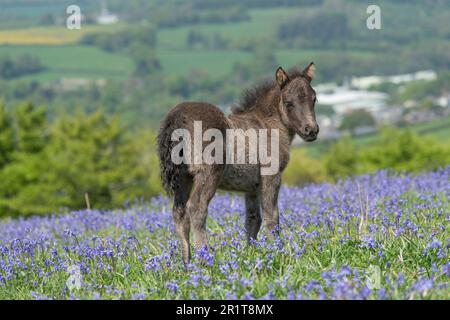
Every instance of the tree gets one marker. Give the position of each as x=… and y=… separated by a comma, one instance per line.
x=31, y=123
x=6, y=136
x=21, y=65
x=342, y=159
x=145, y=60
x=357, y=118
x=404, y=150
x=83, y=154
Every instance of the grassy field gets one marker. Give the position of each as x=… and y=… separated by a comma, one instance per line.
x=55, y=35
x=374, y=237
x=214, y=63
x=262, y=23
x=65, y=61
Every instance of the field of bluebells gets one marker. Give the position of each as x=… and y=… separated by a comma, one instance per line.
x=378, y=236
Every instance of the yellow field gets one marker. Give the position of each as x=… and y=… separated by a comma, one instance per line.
x=50, y=35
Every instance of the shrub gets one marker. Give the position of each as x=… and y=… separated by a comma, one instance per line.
x=303, y=169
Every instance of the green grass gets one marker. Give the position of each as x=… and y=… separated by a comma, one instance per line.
x=439, y=128
x=69, y=61
x=215, y=63
x=178, y=59
x=263, y=22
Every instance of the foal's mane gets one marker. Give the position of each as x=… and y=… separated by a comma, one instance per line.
x=250, y=97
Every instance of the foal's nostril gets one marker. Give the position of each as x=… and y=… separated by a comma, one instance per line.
x=307, y=130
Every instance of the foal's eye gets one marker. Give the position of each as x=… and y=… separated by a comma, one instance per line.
x=289, y=105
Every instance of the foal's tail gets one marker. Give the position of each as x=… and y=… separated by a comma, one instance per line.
x=171, y=173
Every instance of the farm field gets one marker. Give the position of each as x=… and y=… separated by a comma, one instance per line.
x=376, y=236
x=55, y=35
x=217, y=63
x=263, y=21
x=65, y=61
x=214, y=63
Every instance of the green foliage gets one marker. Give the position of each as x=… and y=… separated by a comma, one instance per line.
x=6, y=136
x=341, y=159
x=357, y=118
x=21, y=65
x=145, y=60
x=31, y=126
x=393, y=149
x=399, y=150
x=53, y=166
x=123, y=39
x=137, y=42
x=404, y=151
x=419, y=90
x=302, y=169
x=316, y=29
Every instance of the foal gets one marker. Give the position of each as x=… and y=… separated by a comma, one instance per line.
x=285, y=105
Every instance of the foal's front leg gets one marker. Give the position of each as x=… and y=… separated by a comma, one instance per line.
x=252, y=215
x=270, y=187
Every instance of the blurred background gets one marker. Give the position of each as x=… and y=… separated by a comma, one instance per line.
x=79, y=109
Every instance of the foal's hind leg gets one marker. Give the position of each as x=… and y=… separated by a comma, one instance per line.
x=181, y=217
x=252, y=215
x=205, y=186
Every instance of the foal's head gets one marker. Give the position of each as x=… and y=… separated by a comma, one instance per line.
x=297, y=102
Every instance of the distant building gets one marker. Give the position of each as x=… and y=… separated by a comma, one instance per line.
x=443, y=101
x=105, y=17
x=389, y=115
x=344, y=99
x=364, y=130
x=367, y=82
x=72, y=84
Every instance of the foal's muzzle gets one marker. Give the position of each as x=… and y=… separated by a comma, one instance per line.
x=310, y=132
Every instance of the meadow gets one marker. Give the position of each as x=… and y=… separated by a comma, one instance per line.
x=51, y=35
x=378, y=236
x=262, y=22
x=72, y=61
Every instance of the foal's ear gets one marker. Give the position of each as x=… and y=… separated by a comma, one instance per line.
x=282, y=77
x=310, y=71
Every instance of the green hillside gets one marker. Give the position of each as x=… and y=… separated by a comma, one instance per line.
x=66, y=61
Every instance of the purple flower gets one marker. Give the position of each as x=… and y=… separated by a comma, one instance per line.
x=172, y=286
